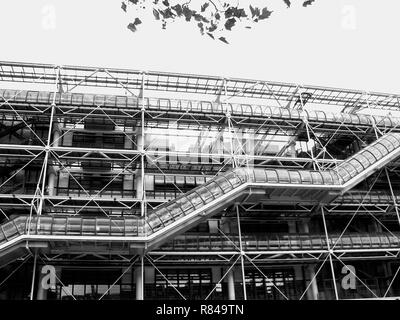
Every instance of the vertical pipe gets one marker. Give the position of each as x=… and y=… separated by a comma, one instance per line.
x=305, y=121
x=330, y=254
x=308, y=140
x=231, y=285
x=33, y=277
x=231, y=280
x=139, y=273
x=142, y=275
x=41, y=292
x=52, y=174
x=56, y=138
x=292, y=226
x=398, y=219
x=51, y=183
x=142, y=154
x=47, y=148
x=228, y=116
x=313, y=294
x=394, y=199
x=241, y=254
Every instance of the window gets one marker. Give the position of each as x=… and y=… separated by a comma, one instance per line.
x=97, y=140
x=88, y=284
x=95, y=183
x=257, y=226
x=191, y=283
x=266, y=288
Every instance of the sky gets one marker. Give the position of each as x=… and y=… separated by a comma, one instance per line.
x=339, y=43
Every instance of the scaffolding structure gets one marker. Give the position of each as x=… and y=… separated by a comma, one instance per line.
x=194, y=187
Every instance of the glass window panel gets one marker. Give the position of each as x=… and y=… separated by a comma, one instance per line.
x=195, y=199
x=370, y=156
x=117, y=227
x=295, y=177
x=190, y=180
x=283, y=176
x=66, y=291
x=380, y=150
x=102, y=226
x=88, y=226
x=102, y=288
x=174, y=211
x=272, y=175
x=214, y=189
x=169, y=179
x=356, y=163
x=115, y=290
x=9, y=229
x=79, y=290
x=205, y=194
x=200, y=180
x=185, y=205
x=224, y=184
x=180, y=180
x=317, y=177
x=88, y=289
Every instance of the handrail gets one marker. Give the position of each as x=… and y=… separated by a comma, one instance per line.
x=197, y=106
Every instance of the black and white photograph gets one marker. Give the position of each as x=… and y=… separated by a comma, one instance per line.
x=217, y=158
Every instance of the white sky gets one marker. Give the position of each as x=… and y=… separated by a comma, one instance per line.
x=342, y=43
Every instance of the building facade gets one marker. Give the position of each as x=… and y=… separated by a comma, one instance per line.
x=123, y=184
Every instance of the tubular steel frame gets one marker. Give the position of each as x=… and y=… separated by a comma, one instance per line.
x=65, y=79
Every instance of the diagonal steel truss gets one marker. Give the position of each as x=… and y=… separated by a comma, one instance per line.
x=230, y=126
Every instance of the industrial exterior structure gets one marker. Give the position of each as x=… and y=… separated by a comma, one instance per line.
x=122, y=184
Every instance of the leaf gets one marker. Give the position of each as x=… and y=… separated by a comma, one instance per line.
x=307, y=3
x=198, y=17
x=240, y=13
x=229, y=12
x=187, y=13
x=213, y=27
x=204, y=19
x=265, y=14
x=204, y=6
x=253, y=11
x=223, y=40
x=201, y=27
x=167, y=13
x=132, y=27
x=156, y=14
x=230, y=23
x=178, y=9
x=212, y=22
x=123, y=6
